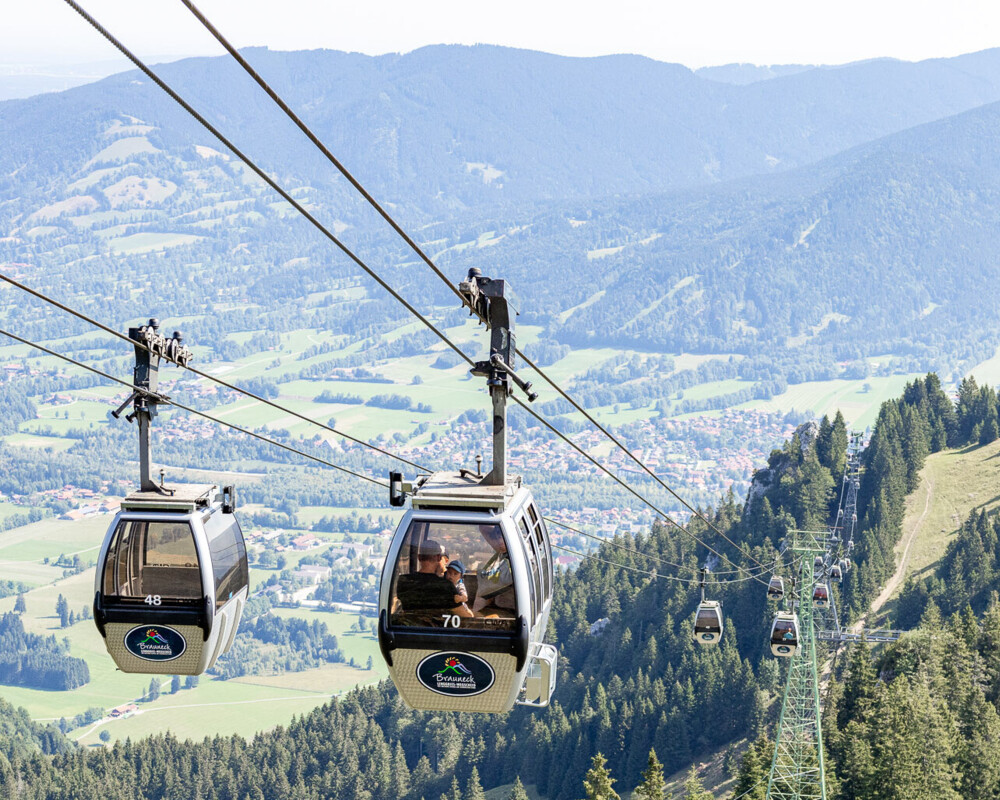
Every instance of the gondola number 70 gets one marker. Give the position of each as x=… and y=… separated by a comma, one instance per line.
x=152, y=600
x=451, y=620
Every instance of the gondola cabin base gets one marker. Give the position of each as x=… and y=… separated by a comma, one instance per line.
x=172, y=581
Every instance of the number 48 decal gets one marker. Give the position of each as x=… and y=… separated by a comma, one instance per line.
x=152, y=600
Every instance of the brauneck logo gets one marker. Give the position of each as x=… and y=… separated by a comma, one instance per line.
x=155, y=643
x=455, y=674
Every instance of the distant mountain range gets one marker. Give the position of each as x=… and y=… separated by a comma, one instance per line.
x=450, y=127
x=820, y=216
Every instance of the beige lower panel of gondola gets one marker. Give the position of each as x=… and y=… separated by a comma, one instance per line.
x=190, y=662
x=498, y=698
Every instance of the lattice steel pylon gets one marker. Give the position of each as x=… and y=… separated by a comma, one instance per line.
x=797, y=771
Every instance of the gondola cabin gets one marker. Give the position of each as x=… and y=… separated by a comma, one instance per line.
x=465, y=597
x=818, y=562
x=776, y=587
x=836, y=573
x=785, y=634
x=844, y=564
x=821, y=595
x=172, y=580
x=708, y=622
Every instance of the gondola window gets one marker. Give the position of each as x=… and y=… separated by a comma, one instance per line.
x=153, y=558
x=421, y=597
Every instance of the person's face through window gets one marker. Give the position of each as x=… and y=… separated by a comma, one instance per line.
x=493, y=536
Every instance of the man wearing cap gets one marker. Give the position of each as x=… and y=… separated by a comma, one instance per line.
x=427, y=588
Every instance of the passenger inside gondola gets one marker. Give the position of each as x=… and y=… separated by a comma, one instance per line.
x=424, y=594
x=427, y=588
x=454, y=573
x=784, y=632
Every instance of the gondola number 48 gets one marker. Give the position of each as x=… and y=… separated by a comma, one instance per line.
x=451, y=620
x=152, y=600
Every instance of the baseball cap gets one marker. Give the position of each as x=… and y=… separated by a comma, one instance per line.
x=455, y=564
x=429, y=547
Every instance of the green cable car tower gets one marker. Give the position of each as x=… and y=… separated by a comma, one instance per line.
x=797, y=769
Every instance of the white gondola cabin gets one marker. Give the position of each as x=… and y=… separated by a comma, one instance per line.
x=478, y=646
x=172, y=580
x=776, y=587
x=821, y=595
x=708, y=622
x=836, y=573
x=785, y=634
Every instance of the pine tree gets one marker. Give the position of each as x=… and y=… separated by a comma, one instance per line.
x=175, y=684
x=597, y=782
x=693, y=788
x=20, y=605
x=474, y=789
x=653, y=784
x=399, y=775
x=517, y=792
x=751, y=780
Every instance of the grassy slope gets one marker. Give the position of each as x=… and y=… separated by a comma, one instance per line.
x=957, y=481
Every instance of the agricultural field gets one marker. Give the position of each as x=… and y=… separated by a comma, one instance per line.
x=245, y=705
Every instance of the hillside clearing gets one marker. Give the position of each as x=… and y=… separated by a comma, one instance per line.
x=953, y=483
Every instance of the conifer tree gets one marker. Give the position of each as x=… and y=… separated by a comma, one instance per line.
x=693, y=788
x=474, y=789
x=653, y=784
x=517, y=792
x=751, y=780
x=597, y=782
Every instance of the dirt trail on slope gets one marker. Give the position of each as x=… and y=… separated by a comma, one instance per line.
x=897, y=577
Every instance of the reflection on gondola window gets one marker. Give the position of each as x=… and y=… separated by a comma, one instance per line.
x=707, y=619
x=225, y=541
x=153, y=558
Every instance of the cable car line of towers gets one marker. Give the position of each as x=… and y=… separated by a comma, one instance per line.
x=359, y=262
x=797, y=767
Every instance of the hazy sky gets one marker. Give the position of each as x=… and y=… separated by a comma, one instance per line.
x=693, y=32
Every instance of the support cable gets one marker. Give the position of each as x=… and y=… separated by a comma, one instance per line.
x=266, y=87
x=344, y=248
x=207, y=376
x=613, y=543
x=160, y=398
x=654, y=574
